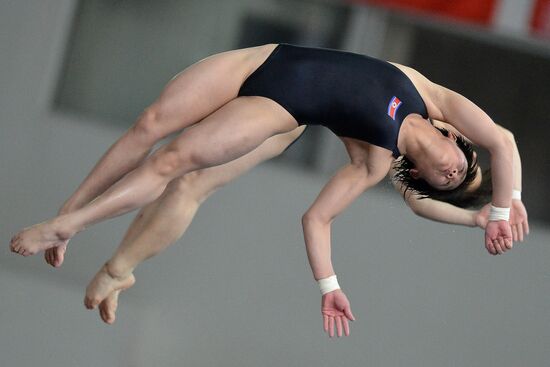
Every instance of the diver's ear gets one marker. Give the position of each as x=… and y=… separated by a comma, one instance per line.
x=414, y=173
x=474, y=155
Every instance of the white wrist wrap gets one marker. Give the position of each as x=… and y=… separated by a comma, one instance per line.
x=499, y=213
x=516, y=194
x=328, y=284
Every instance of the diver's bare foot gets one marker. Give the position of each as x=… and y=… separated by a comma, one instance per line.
x=55, y=255
x=103, y=284
x=107, y=308
x=39, y=237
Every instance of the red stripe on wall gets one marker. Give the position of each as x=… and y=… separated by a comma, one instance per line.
x=473, y=11
x=540, y=21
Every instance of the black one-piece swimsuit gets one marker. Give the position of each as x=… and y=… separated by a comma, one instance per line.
x=353, y=95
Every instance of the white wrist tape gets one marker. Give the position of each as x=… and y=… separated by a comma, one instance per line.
x=328, y=284
x=499, y=213
x=516, y=194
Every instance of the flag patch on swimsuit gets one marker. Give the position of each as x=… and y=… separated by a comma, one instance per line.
x=395, y=103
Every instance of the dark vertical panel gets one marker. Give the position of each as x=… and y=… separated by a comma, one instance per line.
x=257, y=30
x=513, y=87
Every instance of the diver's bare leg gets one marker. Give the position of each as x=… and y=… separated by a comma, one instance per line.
x=230, y=132
x=174, y=213
x=190, y=96
x=164, y=221
x=184, y=195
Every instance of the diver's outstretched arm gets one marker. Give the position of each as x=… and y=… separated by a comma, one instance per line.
x=369, y=164
x=518, y=213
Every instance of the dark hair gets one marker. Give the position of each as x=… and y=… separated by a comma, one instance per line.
x=460, y=196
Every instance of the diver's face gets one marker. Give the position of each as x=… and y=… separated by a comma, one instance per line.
x=444, y=169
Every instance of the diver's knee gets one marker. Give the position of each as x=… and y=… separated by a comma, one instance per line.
x=198, y=185
x=167, y=163
x=149, y=125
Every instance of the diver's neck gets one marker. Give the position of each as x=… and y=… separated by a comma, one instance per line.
x=417, y=138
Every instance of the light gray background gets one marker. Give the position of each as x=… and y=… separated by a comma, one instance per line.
x=237, y=289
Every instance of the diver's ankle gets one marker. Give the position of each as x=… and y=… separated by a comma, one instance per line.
x=118, y=269
x=63, y=228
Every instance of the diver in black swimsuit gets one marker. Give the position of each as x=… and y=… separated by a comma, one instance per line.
x=229, y=104
x=353, y=95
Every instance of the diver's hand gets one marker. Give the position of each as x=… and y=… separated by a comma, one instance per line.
x=518, y=220
x=498, y=237
x=335, y=307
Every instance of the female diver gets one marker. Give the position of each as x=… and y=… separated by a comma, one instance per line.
x=231, y=103
x=164, y=221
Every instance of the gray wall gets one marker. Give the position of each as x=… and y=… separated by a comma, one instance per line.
x=122, y=53
x=237, y=289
